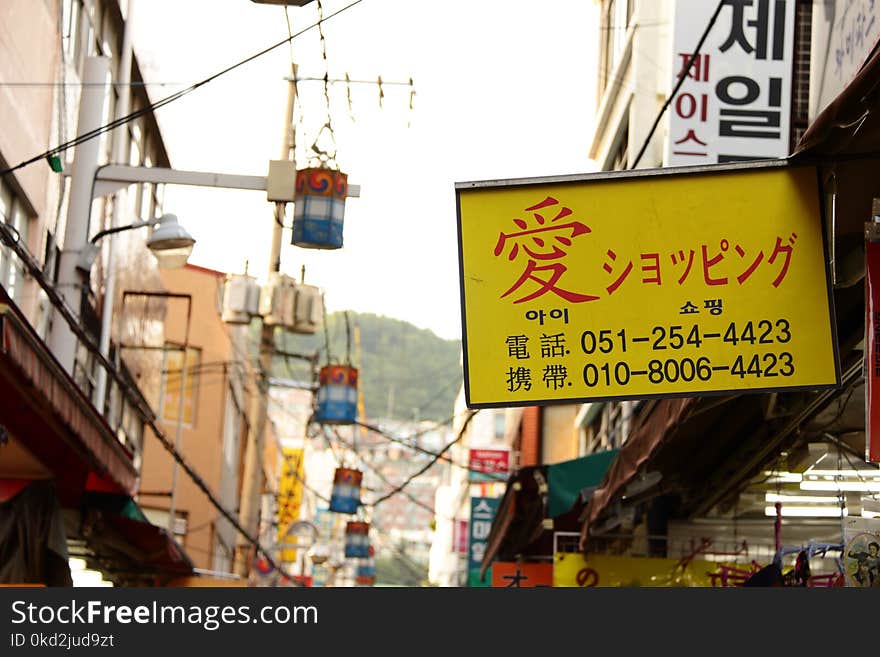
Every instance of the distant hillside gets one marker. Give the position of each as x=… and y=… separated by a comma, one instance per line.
x=406, y=372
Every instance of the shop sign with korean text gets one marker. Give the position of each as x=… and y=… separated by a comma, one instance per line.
x=735, y=102
x=488, y=464
x=513, y=575
x=482, y=514
x=640, y=284
x=290, y=493
x=846, y=34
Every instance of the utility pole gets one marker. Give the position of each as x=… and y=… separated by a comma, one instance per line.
x=120, y=154
x=252, y=484
x=76, y=231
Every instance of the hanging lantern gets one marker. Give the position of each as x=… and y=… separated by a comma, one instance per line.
x=346, y=495
x=357, y=539
x=337, y=395
x=319, y=208
x=365, y=575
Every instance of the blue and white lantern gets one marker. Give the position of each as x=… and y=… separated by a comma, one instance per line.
x=319, y=208
x=337, y=395
x=346, y=494
x=357, y=540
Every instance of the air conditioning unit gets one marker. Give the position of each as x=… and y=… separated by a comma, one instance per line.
x=309, y=310
x=241, y=298
x=278, y=301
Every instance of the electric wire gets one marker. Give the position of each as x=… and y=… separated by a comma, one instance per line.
x=91, y=134
x=134, y=398
x=375, y=469
x=436, y=455
x=414, y=567
x=420, y=472
x=680, y=82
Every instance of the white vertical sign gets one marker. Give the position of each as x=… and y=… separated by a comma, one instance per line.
x=844, y=36
x=735, y=102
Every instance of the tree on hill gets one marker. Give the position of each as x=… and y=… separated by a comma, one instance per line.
x=405, y=372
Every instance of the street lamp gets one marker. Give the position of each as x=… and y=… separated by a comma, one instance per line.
x=170, y=242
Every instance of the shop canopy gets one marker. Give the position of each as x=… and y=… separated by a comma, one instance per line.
x=542, y=496
x=46, y=415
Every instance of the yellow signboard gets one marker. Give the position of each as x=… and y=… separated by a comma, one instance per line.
x=290, y=492
x=613, y=570
x=641, y=285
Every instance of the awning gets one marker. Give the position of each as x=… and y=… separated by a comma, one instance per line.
x=115, y=537
x=535, y=494
x=660, y=417
x=51, y=417
x=851, y=114
x=109, y=531
x=570, y=480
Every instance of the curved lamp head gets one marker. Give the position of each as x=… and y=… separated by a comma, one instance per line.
x=170, y=242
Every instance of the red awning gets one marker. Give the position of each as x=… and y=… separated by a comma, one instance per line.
x=135, y=549
x=51, y=417
x=659, y=421
x=849, y=123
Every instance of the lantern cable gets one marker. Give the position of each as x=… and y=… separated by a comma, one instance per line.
x=326, y=333
x=347, y=339
x=91, y=134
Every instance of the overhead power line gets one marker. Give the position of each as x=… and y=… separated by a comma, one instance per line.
x=418, y=448
x=61, y=148
x=428, y=466
x=10, y=237
x=375, y=469
x=680, y=82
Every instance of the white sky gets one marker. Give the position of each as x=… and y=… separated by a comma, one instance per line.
x=504, y=89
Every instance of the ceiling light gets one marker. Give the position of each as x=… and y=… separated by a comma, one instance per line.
x=783, y=477
x=845, y=486
x=806, y=511
x=871, y=472
x=798, y=499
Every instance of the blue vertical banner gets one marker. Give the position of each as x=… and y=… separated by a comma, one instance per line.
x=482, y=514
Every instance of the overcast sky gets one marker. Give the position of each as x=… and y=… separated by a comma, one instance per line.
x=504, y=89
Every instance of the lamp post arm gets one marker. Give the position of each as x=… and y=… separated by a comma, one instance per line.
x=119, y=229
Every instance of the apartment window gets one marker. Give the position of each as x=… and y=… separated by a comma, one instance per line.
x=13, y=214
x=618, y=14
x=172, y=373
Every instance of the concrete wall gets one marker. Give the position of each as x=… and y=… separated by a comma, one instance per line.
x=560, y=437
x=29, y=52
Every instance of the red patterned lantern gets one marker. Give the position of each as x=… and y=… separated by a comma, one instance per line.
x=337, y=395
x=346, y=494
x=357, y=539
x=319, y=208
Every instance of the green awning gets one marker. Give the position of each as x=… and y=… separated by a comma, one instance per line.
x=566, y=480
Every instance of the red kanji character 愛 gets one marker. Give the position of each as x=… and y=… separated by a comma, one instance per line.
x=543, y=249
